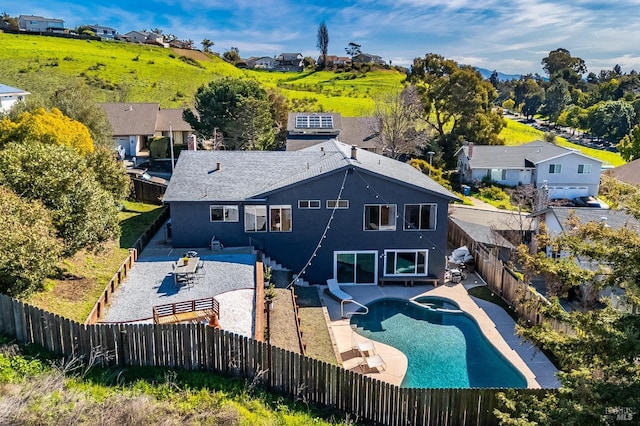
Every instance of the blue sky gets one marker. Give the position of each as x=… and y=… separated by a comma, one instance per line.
x=510, y=36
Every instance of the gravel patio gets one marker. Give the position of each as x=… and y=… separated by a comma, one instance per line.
x=229, y=276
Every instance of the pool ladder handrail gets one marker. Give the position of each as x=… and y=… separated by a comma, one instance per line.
x=350, y=314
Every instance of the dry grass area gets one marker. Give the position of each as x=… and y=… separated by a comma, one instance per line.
x=85, y=276
x=73, y=294
x=314, y=325
x=315, y=332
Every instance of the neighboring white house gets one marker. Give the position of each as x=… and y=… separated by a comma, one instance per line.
x=104, y=32
x=564, y=172
x=40, y=24
x=9, y=96
x=263, y=62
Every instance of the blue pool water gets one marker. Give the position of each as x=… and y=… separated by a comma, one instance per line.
x=444, y=346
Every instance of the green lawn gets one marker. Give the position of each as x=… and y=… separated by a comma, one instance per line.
x=516, y=133
x=124, y=72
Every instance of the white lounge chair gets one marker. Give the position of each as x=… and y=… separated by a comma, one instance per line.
x=373, y=362
x=334, y=289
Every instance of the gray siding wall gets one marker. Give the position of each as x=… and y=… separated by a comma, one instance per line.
x=191, y=226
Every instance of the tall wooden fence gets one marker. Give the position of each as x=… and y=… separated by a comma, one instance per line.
x=146, y=191
x=503, y=281
x=199, y=347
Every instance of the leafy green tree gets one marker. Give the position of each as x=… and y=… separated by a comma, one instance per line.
x=252, y=127
x=109, y=172
x=509, y=105
x=84, y=30
x=629, y=145
x=323, y=42
x=556, y=99
x=560, y=59
x=353, y=49
x=279, y=107
x=232, y=55
x=29, y=250
x=611, y=120
x=76, y=101
x=529, y=96
x=84, y=214
x=599, y=357
x=458, y=103
x=206, y=45
x=219, y=106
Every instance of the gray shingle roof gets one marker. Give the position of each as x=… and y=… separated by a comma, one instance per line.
x=254, y=174
x=173, y=117
x=514, y=157
x=628, y=173
x=11, y=91
x=133, y=118
x=616, y=219
x=483, y=234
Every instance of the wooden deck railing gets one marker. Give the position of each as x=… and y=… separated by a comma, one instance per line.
x=190, y=310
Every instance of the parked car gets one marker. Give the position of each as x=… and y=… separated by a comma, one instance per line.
x=143, y=175
x=589, y=201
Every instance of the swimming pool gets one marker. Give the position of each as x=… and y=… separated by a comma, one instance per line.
x=444, y=346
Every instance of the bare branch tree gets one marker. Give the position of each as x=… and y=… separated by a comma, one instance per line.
x=395, y=122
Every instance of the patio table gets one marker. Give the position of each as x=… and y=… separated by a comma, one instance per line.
x=186, y=270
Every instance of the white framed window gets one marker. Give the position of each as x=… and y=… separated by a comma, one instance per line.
x=380, y=217
x=555, y=169
x=338, y=204
x=255, y=218
x=356, y=267
x=405, y=262
x=308, y=204
x=224, y=213
x=498, y=174
x=280, y=218
x=420, y=217
x=584, y=169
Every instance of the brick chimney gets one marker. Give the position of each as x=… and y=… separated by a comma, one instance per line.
x=354, y=152
x=470, y=154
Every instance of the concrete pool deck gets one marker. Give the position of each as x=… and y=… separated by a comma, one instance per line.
x=497, y=326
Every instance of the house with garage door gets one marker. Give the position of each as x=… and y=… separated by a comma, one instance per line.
x=560, y=171
x=328, y=211
x=135, y=124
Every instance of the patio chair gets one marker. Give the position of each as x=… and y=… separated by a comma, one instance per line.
x=200, y=272
x=335, y=291
x=373, y=362
x=362, y=347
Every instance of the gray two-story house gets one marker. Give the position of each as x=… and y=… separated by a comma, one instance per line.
x=563, y=172
x=327, y=211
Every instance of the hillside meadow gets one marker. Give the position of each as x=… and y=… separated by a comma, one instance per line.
x=125, y=72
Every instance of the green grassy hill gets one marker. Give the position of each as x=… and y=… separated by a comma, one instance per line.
x=143, y=73
x=122, y=72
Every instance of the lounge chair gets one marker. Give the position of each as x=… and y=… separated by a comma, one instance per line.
x=335, y=291
x=363, y=347
x=373, y=362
